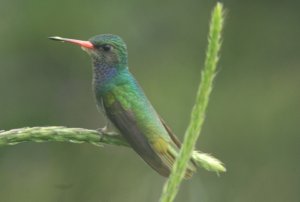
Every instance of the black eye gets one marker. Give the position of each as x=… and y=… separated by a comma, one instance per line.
x=107, y=47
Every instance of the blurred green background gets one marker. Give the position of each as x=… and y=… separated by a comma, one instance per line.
x=252, y=121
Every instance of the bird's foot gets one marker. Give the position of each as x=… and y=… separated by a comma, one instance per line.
x=103, y=130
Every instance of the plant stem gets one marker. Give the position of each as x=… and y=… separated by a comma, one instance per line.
x=198, y=113
x=81, y=135
x=59, y=134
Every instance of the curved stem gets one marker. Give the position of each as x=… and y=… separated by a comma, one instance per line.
x=81, y=135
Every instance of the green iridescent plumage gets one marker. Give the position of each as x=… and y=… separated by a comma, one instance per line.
x=125, y=104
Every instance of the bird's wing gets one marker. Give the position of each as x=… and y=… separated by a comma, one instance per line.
x=174, y=138
x=159, y=152
x=125, y=121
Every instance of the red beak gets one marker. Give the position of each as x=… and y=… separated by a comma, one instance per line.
x=85, y=44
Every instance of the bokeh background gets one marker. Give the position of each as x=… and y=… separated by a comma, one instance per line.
x=253, y=116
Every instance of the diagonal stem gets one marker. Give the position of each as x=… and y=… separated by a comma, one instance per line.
x=198, y=113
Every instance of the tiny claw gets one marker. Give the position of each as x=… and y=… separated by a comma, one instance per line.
x=103, y=130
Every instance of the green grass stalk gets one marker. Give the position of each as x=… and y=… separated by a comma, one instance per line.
x=81, y=135
x=198, y=113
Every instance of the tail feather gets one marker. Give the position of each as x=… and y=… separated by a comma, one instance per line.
x=192, y=164
x=169, y=157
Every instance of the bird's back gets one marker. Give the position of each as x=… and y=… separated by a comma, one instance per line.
x=129, y=110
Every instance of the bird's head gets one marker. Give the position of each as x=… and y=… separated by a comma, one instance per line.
x=106, y=49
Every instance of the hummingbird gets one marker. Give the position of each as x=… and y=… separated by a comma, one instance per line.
x=125, y=104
